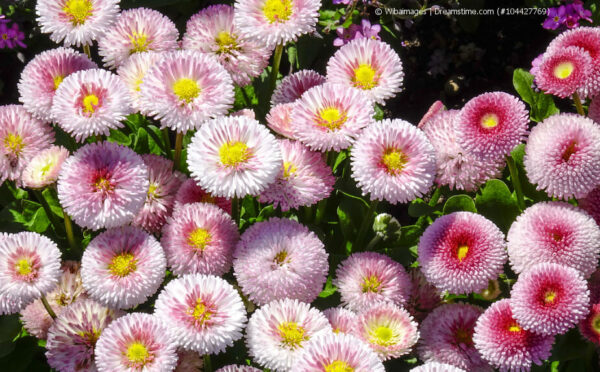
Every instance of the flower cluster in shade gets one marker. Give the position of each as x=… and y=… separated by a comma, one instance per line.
x=11, y=35
x=567, y=16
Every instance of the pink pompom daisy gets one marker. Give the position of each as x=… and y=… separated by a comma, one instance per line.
x=190, y=192
x=42, y=76
x=43, y=169
x=91, y=102
x=188, y=361
x=204, y=313
x=160, y=198
x=490, y=125
x=460, y=252
x=212, y=31
x=563, y=71
x=368, y=66
x=305, y=178
x=249, y=113
x=21, y=138
x=337, y=352
x=184, y=89
x=29, y=268
x=293, y=86
x=103, y=185
x=435, y=108
x=199, y=238
x=591, y=204
x=436, y=367
x=457, y=168
x=549, y=298
x=393, y=160
x=122, y=267
x=554, y=232
x=279, y=331
x=136, y=342
x=137, y=30
x=76, y=22
x=502, y=341
x=367, y=278
x=562, y=156
x=341, y=320
x=447, y=337
x=424, y=296
x=279, y=119
x=234, y=157
x=133, y=71
x=330, y=117
x=594, y=109
x=280, y=258
x=275, y=22
x=588, y=39
x=73, y=335
x=238, y=368
x=589, y=327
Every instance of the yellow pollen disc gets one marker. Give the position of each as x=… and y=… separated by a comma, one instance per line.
x=225, y=41
x=596, y=323
x=291, y=334
x=382, y=335
x=394, y=160
x=137, y=83
x=288, y=169
x=489, y=120
x=277, y=10
x=122, y=264
x=137, y=353
x=90, y=103
x=549, y=297
x=462, y=252
x=280, y=257
x=23, y=267
x=57, y=80
x=199, y=238
x=152, y=190
x=365, y=77
x=338, y=366
x=331, y=118
x=49, y=164
x=564, y=70
x=13, y=143
x=186, y=89
x=371, y=284
x=514, y=327
x=78, y=11
x=139, y=42
x=201, y=313
x=233, y=153
x=102, y=184
x=90, y=337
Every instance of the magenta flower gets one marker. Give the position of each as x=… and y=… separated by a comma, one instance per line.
x=11, y=37
x=346, y=35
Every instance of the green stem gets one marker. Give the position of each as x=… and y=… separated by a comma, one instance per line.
x=88, y=52
x=69, y=231
x=514, y=177
x=366, y=223
x=578, y=104
x=165, y=134
x=207, y=364
x=321, y=209
x=275, y=70
x=435, y=197
x=376, y=239
x=178, y=145
x=47, y=209
x=48, y=308
x=235, y=210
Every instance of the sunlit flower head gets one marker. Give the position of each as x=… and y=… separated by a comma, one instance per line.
x=424, y=296
x=190, y=192
x=563, y=71
x=279, y=119
x=342, y=320
x=294, y=85
x=133, y=71
x=44, y=167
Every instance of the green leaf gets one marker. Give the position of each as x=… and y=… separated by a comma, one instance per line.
x=292, y=53
x=329, y=289
x=460, y=202
x=529, y=190
x=542, y=105
x=9, y=327
x=53, y=202
x=119, y=137
x=419, y=208
x=379, y=114
x=141, y=142
x=497, y=203
x=342, y=155
x=344, y=214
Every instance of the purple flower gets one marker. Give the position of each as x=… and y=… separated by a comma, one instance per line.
x=567, y=16
x=555, y=18
x=10, y=36
x=370, y=31
x=578, y=9
x=346, y=35
x=345, y=2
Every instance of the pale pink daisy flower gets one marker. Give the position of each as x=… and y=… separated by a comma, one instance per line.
x=133, y=71
x=589, y=327
x=291, y=87
x=103, y=185
x=21, y=138
x=275, y=22
x=122, y=267
x=424, y=296
x=305, y=178
x=393, y=160
x=457, y=168
x=594, y=109
x=563, y=71
x=238, y=368
x=76, y=22
x=43, y=169
x=330, y=117
x=280, y=258
x=90, y=103
x=42, y=76
x=562, y=156
x=389, y=330
x=502, y=341
x=190, y=192
x=212, y=31
x=436, y=367
x=591, y=204
x=278, y=332
x=160, y=198
x=188, y=361
x=279, y=119
x=249, y=113
x=341, y=320
x=549, y=298
x=368, y=66
x=367, y=278
x=9, y=304
x=447, y=337
x=554, y=232
x=136, y=342
x=234, y=157
x=135, y=31
x=460, y=252
x=184, y=89
x=73, y=335
x=199, y=238
x=204, y=313
x=337, y=352
x=588, y=39
x=29, y=267
x=435, y=108
x=490, y=125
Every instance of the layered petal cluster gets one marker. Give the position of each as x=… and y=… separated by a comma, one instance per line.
x=563, y=71
x=594, y=109
x=341, y=320
x=591, y=204
x=190, y=192
x=43, y=169
x=291, y=87
x=133, y=71
x=424, y=296
x=279, y=119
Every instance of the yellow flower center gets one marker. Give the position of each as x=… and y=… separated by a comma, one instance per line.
x=365, y=77
x=280, y=258
x=234, y=153
x=288, y=169
x=90, y=103
x=78, y=11
x=24, y=267
x=199, y=238
x=331, y=118
x=139, y=42
x=394, y=160
x=383, y=336
x=489, y=120
x=49, y=164
x=226, y=42
x=201, y=312
x=89, y=338
x=596, y=323
x=13, y=143
x=514, y=327
x=371, y=284
x=564, y=70
x=462, y=252
x=122, y=264
x=549, y=297
x=57, y=80
x=152, y=190
x=291, y=334
x=278, y=10
x=186, y=89
x=338, y=366
x=103, y=185
x=138, y=353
